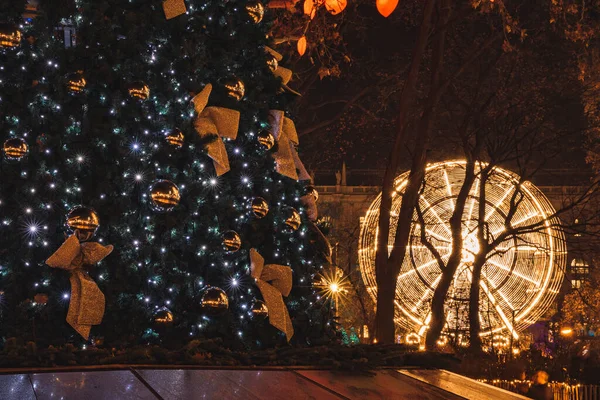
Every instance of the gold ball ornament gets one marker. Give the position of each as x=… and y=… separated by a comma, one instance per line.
x=232, y=241
x=83, y=222
x=259, y=310
x=266, y=139
x=163, y=317
x=10, y=36
x=76, y=82
x=175, y=138
x=292, y=218
x=234, y=88
x=15, y=149
x=41, y=298
x=214, y=301
x=260, y=207
x=164, y=195
x=256, y=10
x=138, y=90
x=312, y=191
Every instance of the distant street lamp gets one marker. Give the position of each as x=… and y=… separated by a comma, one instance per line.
x=566, y=331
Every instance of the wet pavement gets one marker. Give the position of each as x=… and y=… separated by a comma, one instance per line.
x=224, y=384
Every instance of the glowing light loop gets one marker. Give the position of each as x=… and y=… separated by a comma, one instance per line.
x=521, y=277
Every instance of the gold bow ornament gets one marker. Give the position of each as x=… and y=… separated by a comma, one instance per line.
x=219, y=121
x=274, y=281
x=287, y=160
x=310, y=204
x=174, y=8
x=86, y=307
x=284, y=73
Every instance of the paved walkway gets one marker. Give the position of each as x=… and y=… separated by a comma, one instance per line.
x=224, y=384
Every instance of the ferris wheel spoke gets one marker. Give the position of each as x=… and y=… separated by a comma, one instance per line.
x=504, y=318
x=438, y=236
x=428, y=290
x=429, y=208
x=489, y=281
x=497, y=307
x=449, y=188
x=517, y=223
x=499, y=202
x=526, y=218
x=513, y=272
x=518, y=247
x=427, y=264
x=422, y=246
x=425, y=324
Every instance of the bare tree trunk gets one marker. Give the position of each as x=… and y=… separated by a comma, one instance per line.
x=474, y=323
x=438, y=315
x=480, y=259
x=384, y=266
x=361, y=296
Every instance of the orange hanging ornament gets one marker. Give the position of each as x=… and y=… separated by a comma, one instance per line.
x=302, y=45
x=335, y=6
x=386, y=7
x=309, y=8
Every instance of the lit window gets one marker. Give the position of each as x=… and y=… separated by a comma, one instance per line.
x=579, y=267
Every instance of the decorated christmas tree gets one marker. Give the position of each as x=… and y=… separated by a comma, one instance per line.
x=150, y=186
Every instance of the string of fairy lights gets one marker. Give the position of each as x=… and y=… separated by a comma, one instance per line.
x=141, y=182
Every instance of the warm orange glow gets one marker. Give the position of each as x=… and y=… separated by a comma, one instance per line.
x=335, y=6
x=566, y=331
x=164, y=318
x=413, y=339
x=517, y=285
x=386, y=7
x=10, y=36
x=302, y=45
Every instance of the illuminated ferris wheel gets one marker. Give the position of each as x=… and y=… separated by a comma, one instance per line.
x=521, y=276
